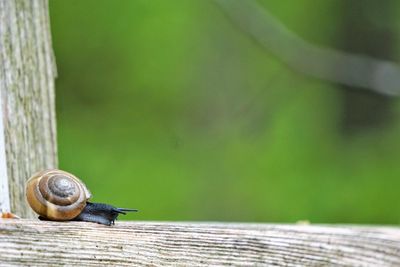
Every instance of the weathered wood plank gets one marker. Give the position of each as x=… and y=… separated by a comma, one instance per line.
x=27, y=72
x=194, y=244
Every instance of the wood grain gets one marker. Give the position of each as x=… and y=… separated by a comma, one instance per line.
x=27, y=72
x=30, y=242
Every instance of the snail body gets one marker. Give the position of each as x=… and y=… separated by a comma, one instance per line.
x=60, y=196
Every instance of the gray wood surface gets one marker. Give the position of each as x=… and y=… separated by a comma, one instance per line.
x=37, y=243
x=27, y=72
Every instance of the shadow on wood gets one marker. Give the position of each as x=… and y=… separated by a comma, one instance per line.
x=182, y=244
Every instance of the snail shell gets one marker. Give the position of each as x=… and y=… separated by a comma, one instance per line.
x=56, y=195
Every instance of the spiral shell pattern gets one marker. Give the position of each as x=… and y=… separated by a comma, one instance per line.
x=56, y=195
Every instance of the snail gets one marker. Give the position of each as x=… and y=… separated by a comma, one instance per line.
x=60, y=196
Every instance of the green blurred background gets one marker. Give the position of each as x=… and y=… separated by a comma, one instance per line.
x=168, y=107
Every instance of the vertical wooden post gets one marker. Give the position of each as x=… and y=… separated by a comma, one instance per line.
x=27, y=72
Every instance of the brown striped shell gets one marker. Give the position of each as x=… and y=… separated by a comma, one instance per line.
x=56, y=195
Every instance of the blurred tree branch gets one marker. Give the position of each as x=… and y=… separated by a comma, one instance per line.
x=359, y=71
x=361, y=30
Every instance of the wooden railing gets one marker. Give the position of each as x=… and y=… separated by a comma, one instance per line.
x=38, y=243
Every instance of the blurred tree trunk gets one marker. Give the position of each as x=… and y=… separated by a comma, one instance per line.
x=27, y=72
x=365, y=30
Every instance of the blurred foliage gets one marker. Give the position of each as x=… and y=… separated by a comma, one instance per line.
x=167, y=107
